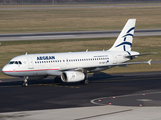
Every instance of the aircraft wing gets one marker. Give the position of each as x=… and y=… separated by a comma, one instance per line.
x=103, y=67
x=130, y=63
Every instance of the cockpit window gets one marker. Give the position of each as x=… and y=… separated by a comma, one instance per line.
x=15, y=62
x=12, y=62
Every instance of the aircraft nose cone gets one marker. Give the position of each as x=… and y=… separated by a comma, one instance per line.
x=5, y=70
x=9, y=70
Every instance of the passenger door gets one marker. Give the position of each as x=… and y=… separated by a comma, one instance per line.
x=30, y=63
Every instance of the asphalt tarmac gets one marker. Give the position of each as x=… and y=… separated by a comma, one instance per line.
x=130, y=89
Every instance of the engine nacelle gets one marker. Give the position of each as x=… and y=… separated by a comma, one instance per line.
x=72, y=76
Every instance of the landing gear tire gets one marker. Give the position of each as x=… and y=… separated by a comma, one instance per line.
x=85, y=82
x=25, y=84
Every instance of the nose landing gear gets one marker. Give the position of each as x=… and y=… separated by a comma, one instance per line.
x=25, y=84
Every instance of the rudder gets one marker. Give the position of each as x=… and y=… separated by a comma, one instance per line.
x=124, y=40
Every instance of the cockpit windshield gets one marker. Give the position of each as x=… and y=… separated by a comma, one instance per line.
x=15, y=62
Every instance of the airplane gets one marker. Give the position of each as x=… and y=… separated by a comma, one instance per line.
x=74, y=66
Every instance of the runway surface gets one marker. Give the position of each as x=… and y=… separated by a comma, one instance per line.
x=128, y=90
x=74, y=35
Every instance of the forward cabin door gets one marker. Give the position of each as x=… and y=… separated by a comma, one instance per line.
x=30, y=63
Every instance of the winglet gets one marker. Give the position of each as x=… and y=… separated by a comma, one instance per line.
x=149, y=62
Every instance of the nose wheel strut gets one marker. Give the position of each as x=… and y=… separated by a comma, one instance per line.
x=25, y=84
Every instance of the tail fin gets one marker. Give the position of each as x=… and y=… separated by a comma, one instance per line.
x=124, y=40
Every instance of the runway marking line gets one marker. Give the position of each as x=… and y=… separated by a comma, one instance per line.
x=55, y=85
x=11, y=86
x=16, y=116
x=100, y=115
x=52, y=36
x=97, y=99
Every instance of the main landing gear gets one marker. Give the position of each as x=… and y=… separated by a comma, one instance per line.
x=25, y=84
x=85, y=81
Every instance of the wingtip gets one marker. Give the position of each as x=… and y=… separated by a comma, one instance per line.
x=149, y=62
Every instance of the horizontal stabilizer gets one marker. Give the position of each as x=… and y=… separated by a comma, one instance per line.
x=139, y=55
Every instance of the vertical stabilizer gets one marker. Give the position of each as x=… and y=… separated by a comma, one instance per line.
x=124, y=40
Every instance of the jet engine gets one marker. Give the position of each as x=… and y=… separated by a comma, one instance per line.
x=72, y=76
